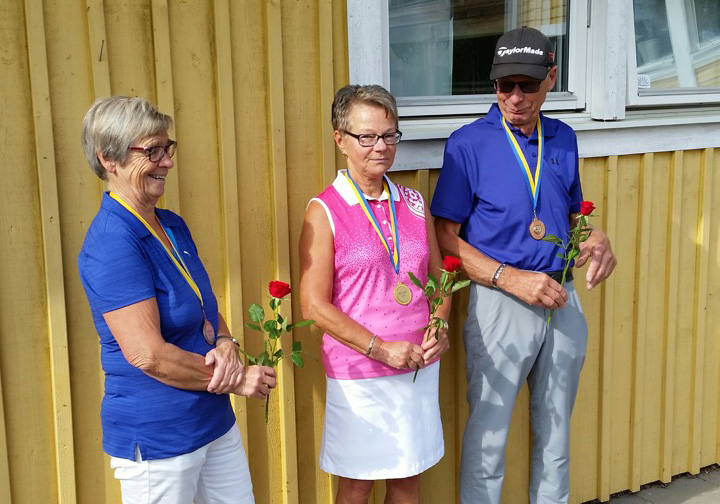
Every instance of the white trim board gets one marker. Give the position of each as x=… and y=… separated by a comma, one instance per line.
x=611, y=139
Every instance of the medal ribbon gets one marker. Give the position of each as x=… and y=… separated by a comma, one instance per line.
x=395, y=253
x=179, y=264
x=532, y=183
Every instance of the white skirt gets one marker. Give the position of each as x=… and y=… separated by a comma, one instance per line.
x=382, y=428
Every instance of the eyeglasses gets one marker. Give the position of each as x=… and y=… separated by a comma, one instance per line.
x=369, y=140
x=156, y=153
x=507, y=86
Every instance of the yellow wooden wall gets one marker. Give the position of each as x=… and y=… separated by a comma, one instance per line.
x=250, y=83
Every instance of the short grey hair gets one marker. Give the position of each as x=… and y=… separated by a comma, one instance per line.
x=113, y=124
x=349, y=95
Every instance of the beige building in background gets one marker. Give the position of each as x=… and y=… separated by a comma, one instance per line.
x=250, y=84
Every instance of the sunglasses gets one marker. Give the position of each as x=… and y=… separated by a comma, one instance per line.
x=507, y=86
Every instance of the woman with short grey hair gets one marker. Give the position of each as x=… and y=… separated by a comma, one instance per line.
x=361, y=238
x=169, y=358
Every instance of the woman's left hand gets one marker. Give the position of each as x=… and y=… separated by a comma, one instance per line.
x=435, y=347
x=229, y=370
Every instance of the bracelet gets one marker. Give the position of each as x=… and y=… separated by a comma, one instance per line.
x=496, y=276
x=237, y=343
x=370, y=346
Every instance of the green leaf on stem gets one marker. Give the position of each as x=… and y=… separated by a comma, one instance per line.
x=257, y=314
x=415, y=280
x=270, y=325
x=263, y=359
x=297, y=360
x=250, y=358
x=303, y=323
x=274, y=303
x=296, y=346
x=278, y=355
x=460, y=285
x=554, y=239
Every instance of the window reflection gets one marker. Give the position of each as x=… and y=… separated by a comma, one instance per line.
x=445, y=47
x=677, y=44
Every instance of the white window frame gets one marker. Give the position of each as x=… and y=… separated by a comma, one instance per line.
x=677, y=13
x=603, y=114
x=369, y=62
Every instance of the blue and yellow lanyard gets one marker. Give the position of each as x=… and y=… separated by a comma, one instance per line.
x=173, y=254
x=395, y=253
x=533, y=183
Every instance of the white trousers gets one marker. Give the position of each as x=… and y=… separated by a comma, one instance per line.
x=508, y=342
x=216, y=473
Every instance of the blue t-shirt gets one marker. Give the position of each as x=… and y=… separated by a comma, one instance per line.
x=122, y=263
x=484, y=188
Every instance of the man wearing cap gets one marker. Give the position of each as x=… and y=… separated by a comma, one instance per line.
x=507, y=180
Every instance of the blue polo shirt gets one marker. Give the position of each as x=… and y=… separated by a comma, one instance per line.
x=482, y=187
x=121, y=263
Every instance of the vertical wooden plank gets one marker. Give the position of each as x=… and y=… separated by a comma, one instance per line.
x=5, y=495
x=622, y=194
x=700, y=304
x=98, y=46
x=652, y=289
x=100, y=63
x=422, y=184
x=328, y=154
x=716, y=260
x=672, y=293
x=606, y=363
x=52, y=253
x=233, y=309
x=711, y=402
x=164, y=96
x=641, y=314
x=278, y=168
x=585, y=424
x=327, y=89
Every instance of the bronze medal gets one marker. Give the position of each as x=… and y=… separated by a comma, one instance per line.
x=209, y=332
x=537, y=229
x=403, y=294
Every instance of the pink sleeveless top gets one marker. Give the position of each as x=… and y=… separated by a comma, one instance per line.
x=365, y=279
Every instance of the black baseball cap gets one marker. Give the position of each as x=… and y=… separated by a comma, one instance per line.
x=523, y=51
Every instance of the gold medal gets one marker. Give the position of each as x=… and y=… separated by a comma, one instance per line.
x=537, y=229
x=403, y=294
x=209, y=332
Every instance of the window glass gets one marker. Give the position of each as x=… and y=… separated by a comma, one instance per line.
x=445, y=47
x=707, y=14
x=677, y=45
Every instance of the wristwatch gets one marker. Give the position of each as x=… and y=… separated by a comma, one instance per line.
x=237, y=343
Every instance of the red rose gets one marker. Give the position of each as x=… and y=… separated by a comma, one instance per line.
x=451, y=264
x=278, y=289
x=587, y=207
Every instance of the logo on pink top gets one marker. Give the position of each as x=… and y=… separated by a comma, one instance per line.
x=414, y=201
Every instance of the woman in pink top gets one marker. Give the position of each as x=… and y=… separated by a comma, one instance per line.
x=361, y=236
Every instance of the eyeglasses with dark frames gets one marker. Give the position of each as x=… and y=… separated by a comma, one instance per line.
x=508, y=86
x=370, y=140
x=157, y=152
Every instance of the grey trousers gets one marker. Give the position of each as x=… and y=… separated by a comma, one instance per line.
x=508, y=342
